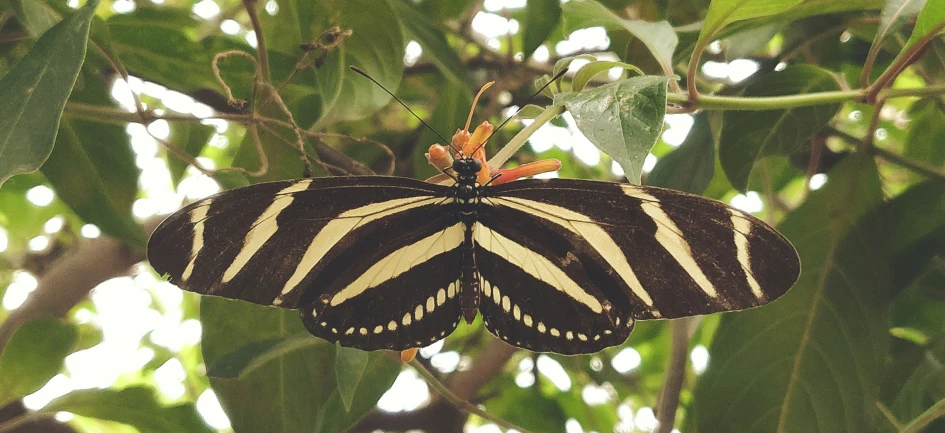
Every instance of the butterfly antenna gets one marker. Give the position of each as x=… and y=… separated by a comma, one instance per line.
x=365, y=75
x=552, y=80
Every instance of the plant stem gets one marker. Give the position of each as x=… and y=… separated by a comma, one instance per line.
x=916, y=166
x=675, y=374
x=516, y=142
x=261, y=50
x=889, y=416
x=14, y=424
x=925, y=418
x=900, y=63
x=711, y=102
x=459, y=403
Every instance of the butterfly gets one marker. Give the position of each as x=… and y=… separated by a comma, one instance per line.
x=551, y=265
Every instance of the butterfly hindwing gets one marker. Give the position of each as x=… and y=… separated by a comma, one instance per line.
x=670, y=254
x=276, y=243
x=399, y=295
x=541, y=292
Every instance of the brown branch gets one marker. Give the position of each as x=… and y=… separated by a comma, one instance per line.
x=487, y=364
x=901, y=62
x=261, y=50
x=442, y=415
x=72, y=276
x=675, y=374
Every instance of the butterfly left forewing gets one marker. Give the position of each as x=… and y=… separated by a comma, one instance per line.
x=269, y=243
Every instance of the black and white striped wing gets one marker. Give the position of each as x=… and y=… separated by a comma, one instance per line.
x=336, y=248
x=584, y=259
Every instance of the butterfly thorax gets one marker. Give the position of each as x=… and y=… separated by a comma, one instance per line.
x=466, y=193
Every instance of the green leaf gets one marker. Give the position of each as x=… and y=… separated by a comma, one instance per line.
x=155, y=44
x=433, y=41
x=349, y=369
x=33, y=355
x=294, y=392
x=541, y=19
x=190, y=138
x=924, y=137
x=930, y=20
x=723, y=12
x=810, y=361
x=450, y=114
x=590, y=70
x=658, y=37
x=748, y=136
x=92, y=168
x=38, y=16
x=376, y=46
x=136, y=406
x=279, y=144
x=623, y=119
x=894, y=15
x=744, y=44
x=34, y=92
x=543, y=414
x=441, y=10
x=247, y=359
x=690, y=167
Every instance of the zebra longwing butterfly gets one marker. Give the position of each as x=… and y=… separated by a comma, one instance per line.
x=552, y=265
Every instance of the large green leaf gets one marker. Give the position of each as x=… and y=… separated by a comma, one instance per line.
x=136, y=406
x=930, y=20
x=33, y=355
x=350, y=365
x=34, y=92
x=658, y=37
x=542, y=18
x=155, y=44
x=190, y=138
x=723, y=12
x=450, y=114
x=690, y=167
x=433, y=41
x=79, y=173
x=623, y=119
x=810, y=361
x=748, y=136
x=279, y=144
x=92, y=168
x=38, y=16
x=376, y=46
x=294, y=391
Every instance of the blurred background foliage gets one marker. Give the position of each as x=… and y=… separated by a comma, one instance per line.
x=825, y=118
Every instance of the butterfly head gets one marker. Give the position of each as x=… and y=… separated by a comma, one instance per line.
x=467, y=167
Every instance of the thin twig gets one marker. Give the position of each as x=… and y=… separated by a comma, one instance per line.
x=925, y=418
x=216, y=72
x=901, y=62
x=14, y=424
x=675, y=375
x=518, y=141
x=867, y=142
x=263, y=159
x=459, y=403
x=274, y=96
x=889, y=415
x=916, y=166
x=261, y=50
